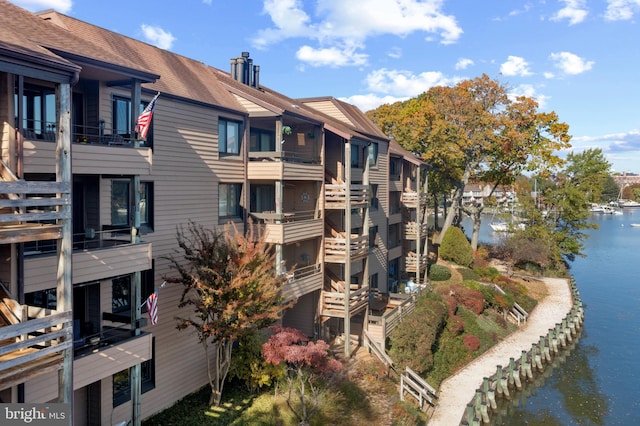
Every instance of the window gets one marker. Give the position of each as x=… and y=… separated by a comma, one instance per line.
x=374, y=202
x=122, y=379
x=394, y=169
x=121, y=295
x=146, y=206
x=47, y=299
x=262, y=198
x=228, y=137
x=121, y=292
x=373, y=235
x=262, y=140
x=356, y=151
x=395, y=235
x=120, y=203
x=122, y=119
x=373, y=281
x=38, y=112
x=373, y=154
x=229, y=200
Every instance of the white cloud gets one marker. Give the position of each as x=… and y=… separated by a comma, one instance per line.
x=333, y=57
x=207, y=2
x=571, y=63
x=62, y=6
x=333, y=23
x=529, y=91
x=463, y=63
x=402, y=83
x=395, y=53
x=549, y=75
x=515, y=66
x=620, y=10
x=371, y=101
x=612, y=142
x=157, y=36
x=574, y=11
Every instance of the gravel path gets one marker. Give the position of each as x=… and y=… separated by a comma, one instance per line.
x=458, y=390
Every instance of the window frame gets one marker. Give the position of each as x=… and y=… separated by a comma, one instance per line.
x=223, y=137
x=225, y=193
x=256, y=136
x=146, y=217
x=125, y=198
x=125, y=130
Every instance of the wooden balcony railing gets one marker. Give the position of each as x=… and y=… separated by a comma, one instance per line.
x=411, y=230
x=335, y=248
x=302, y=281
x=333, y=303
x=33, y=346
x=414, y=199
x=415, y=264
x=29, y=209
x=335, y=196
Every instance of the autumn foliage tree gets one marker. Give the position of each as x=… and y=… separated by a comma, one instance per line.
x=305, y=361
x=232, y=289
x=475, y=131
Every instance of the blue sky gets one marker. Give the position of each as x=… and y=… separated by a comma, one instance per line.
x=578, y=58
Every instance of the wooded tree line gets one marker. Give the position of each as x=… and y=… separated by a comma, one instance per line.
x=476, y=131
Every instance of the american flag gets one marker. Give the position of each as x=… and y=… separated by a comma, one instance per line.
x=144, y=120
x=152, y=307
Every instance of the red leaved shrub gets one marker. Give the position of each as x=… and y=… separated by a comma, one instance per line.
x=471, y=342
x=470, y=299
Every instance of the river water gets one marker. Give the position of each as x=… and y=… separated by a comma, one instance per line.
x=598, y=381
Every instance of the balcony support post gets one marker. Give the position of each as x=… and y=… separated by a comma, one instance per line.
x=64, y=290
x=136, y=370
x=347, y=262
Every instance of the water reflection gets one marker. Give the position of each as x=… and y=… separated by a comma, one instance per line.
x=570, y=385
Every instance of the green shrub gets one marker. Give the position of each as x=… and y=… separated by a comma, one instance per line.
x=412, y=343
x=439, y=273
x=455, y=247
x=468, y=274
x=486, y=273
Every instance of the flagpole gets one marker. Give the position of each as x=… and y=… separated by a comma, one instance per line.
x=158, y=288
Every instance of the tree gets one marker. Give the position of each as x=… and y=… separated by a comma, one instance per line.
x=230, y=283
x=610, y=190
x=475, y=132
x=588, y=171
x=305, y=360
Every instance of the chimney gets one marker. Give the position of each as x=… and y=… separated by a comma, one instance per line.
x=256, y=76
x=240, y=69
x=234, y=71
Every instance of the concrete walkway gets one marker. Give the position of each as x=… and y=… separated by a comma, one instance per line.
x=458, y=390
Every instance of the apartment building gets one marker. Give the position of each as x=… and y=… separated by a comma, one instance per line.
x=89, y=212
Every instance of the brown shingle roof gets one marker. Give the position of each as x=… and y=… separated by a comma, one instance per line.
x=284, y=105
x=64, y=40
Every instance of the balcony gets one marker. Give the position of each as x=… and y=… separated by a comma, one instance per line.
x=40, y=157
x=415, y=264
x=33, y=344
x=333, y=303
x=414, y=200
x=105, y=256
x=28, y=210
x=283, y=165
x=285, y=228
x=335, y=196
x=303, y=281
x=104, y=354
x=335, y=248
x=413, y=229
